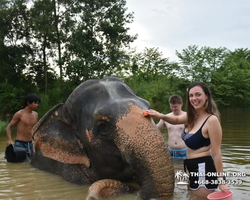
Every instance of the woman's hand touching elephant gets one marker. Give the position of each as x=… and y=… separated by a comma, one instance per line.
x=153, y=114
x=168, y=118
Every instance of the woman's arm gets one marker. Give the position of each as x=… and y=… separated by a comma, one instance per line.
x=168, y=118
x=215, y=135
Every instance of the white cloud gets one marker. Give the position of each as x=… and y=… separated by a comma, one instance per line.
x=175, y=24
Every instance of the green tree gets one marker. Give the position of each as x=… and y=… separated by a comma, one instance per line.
x=150, y=63
x=14, y=34
x=199, y=63
x=231, y=82
x=154, y=78
x=15, y=54
x=98, y=43
x=42, y=23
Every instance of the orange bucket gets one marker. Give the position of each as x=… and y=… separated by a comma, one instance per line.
x=228, y=195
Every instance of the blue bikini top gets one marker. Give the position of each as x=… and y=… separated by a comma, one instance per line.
x=196, y=140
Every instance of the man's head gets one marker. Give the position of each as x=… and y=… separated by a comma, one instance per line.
x=32, y=98
x=175, y=103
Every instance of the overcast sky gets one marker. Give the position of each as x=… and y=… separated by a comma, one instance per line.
x=175, y=24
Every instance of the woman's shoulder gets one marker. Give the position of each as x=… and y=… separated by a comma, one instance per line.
x=213, y=119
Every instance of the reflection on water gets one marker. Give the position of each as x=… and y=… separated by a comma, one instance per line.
x=235, y=149
x=21, y=181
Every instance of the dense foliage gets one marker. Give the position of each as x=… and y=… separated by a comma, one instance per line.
x=51, y=46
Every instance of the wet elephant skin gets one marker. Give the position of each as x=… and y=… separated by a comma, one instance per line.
x=99, y=136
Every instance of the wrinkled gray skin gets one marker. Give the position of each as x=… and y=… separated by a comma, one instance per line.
x=99, y=136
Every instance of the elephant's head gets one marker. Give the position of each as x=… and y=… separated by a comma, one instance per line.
x=101, y=133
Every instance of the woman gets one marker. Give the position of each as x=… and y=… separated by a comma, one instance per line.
x=202, y=135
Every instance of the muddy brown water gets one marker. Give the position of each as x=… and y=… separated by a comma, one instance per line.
x=22, y=181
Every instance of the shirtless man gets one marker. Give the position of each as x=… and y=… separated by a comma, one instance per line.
x=25, y=120
x=176, y=145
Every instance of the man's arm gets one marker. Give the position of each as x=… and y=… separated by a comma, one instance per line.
x=14, y=121
x=160, y=124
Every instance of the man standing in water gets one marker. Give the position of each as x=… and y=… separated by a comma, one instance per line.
x=25, y=120
x=176, y=145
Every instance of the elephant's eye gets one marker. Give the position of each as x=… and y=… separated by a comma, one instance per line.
x=103, y=128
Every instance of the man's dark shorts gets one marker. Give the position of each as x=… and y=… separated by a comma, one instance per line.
x=28, y=146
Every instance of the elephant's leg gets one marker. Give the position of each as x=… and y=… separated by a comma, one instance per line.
x=107, y=188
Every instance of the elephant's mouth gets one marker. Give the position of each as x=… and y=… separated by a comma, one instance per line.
x=111, y=164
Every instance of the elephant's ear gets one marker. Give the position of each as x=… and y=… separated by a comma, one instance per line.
x=55, y=138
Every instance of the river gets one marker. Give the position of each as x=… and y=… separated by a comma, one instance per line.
x=22, y=181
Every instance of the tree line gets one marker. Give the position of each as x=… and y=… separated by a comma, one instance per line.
x=50, y=46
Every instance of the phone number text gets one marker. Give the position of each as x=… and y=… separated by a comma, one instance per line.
x=219, y=182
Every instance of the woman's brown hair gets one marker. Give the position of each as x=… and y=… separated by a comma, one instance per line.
x=210, y=106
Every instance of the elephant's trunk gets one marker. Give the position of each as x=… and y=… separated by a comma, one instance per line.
x=157, y=172
x=144, y=148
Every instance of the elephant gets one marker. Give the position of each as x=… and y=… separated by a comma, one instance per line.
x=100, y=137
